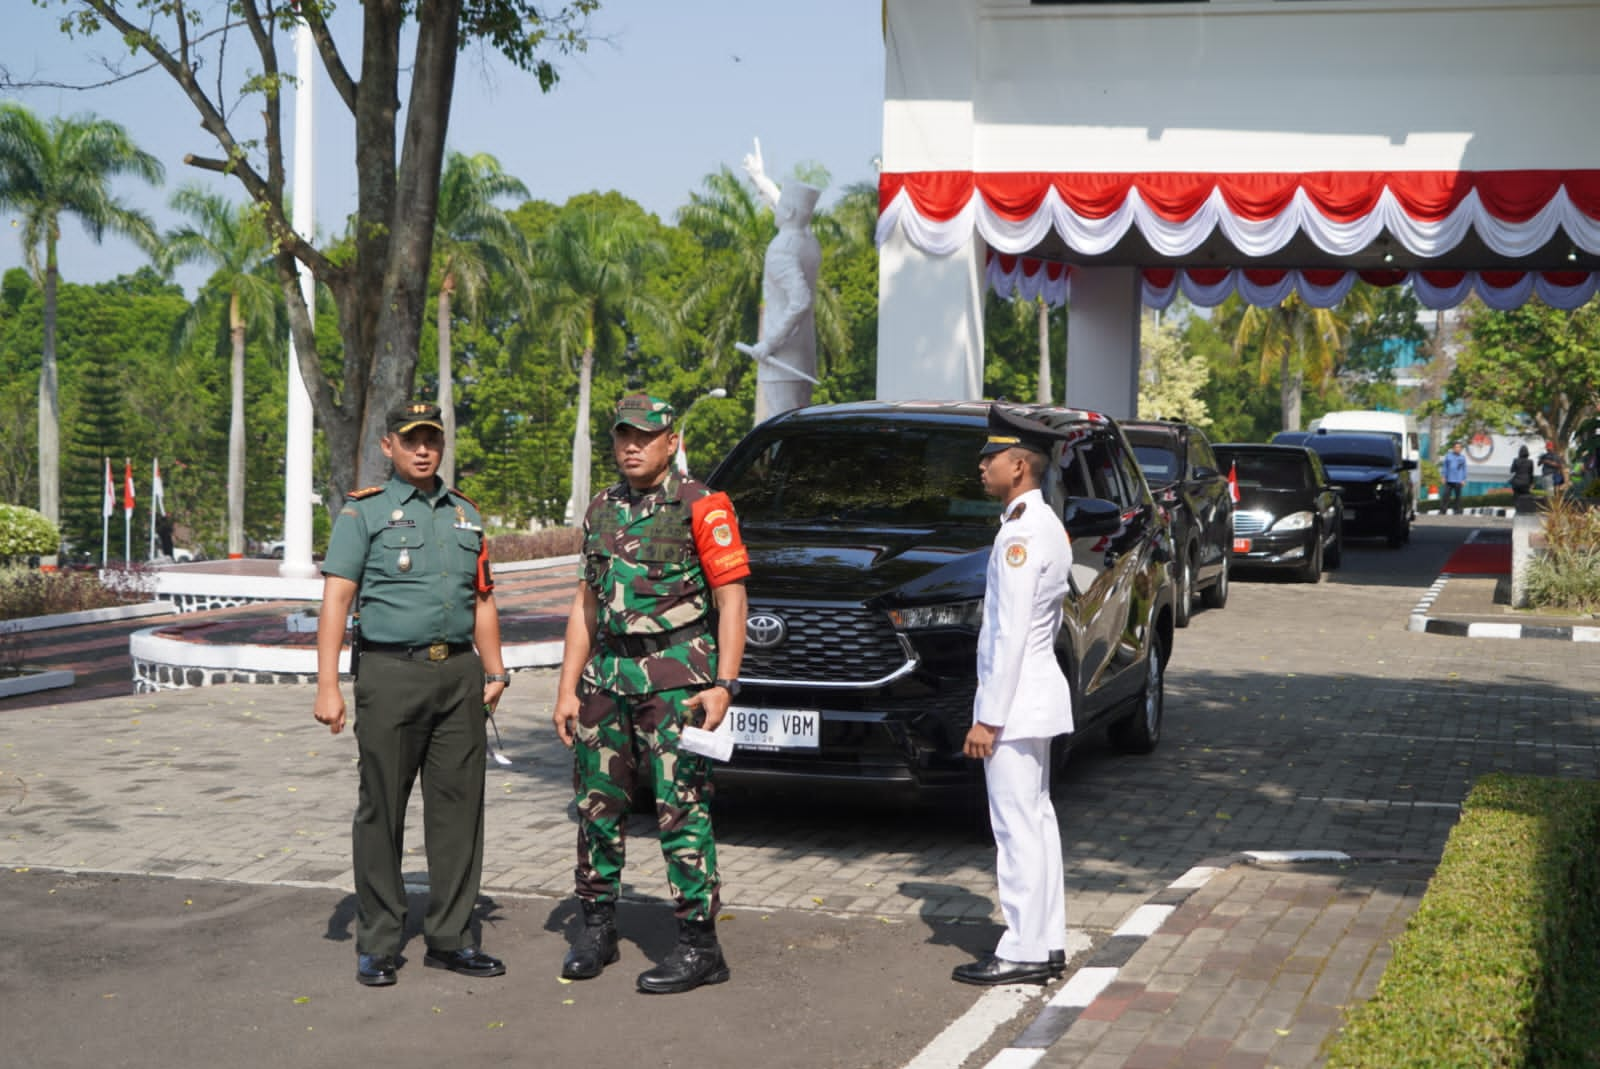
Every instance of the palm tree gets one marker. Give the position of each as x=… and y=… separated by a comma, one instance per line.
x=471, y=237
x=1300, y=340
x=587, y=277
x=51, y=169
x=233, y=241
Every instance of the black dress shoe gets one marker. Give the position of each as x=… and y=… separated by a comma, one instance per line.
x=993, y=970
x=1058, y=964
x=375, y=970
x=468, y=961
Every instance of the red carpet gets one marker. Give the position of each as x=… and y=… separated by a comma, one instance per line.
x=1480, y=558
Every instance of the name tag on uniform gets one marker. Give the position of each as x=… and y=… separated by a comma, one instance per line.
x=401, y=523
x=467, y=527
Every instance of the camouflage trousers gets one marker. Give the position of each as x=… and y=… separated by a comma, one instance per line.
x=615, y=732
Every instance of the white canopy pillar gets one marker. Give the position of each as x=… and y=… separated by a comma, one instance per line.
x=1103, y=341
x=930, y=322
x=930, y=305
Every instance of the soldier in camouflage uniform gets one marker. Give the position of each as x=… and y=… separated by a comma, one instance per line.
x=653, y=644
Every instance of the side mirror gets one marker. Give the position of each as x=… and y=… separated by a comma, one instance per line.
x=1091, y=517
x=1202, y=472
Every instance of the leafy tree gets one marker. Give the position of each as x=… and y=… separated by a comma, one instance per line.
x=233, y=242
x=587, y=279
x=1532, y=370
x=1174, y=375
x=1014, y=330
x=1387, y=324
x=48, y=170
x=379, y=282
x=1297, y=341
x=471, y=237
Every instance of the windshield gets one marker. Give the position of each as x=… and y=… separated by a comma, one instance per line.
x=913, y=476
x=1160, y=464
x=1269, y=473
x=1350, y=453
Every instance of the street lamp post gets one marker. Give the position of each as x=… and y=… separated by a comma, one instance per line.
x=682, y=460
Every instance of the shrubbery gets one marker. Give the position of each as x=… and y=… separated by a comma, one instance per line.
x=550, y=542
x=1497, y=966
x=25, y=533
x=1566, y=574
x=29, y=592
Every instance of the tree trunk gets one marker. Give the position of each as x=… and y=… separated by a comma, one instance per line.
x=1289, y=388
x=49, y=399
x=236, y=433
x=1044, y=352
x=447, y=398
x=582, y=450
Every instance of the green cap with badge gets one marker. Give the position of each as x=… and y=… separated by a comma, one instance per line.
x=404, y=418
x=644, y=412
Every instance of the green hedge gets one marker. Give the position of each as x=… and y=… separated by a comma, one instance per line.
x=1498, y=966
x=25, y=533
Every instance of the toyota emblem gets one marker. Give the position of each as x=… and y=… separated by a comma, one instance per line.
x=765, y=630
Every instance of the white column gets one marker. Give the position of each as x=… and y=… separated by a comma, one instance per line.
x=930, y=322
x=297, y=562
x=1103, y=341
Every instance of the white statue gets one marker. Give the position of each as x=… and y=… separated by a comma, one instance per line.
x=786, y=355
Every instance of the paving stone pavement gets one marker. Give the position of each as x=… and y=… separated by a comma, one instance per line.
x=1298, y=718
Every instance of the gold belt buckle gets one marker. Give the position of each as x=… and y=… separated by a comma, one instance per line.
x=438, y=651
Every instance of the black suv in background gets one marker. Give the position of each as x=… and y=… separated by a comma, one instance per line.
x=1187, y=481
x=869, y=533
x=1367, y=468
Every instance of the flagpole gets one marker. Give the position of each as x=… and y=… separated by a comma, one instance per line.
x=300, y=430
x=105, y=517
x=155, y=480
x=127, y=510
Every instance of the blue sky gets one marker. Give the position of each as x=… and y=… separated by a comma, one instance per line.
x=665, y=95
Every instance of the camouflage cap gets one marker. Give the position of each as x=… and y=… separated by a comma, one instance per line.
x=419, y=414
x=644, y=412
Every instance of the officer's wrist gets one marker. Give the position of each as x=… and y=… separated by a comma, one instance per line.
x=497, y=677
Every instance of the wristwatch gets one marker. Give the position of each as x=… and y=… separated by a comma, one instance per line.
x=497, y=677
x=729, y=685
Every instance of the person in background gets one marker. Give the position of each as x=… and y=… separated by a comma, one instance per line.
x=1454, y=471
x=1522, y=473
x=411, y=556
x=1552, y=468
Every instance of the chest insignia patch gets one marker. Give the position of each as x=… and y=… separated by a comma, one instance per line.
x=1016, y=554
x=722, y=535
x=404, y=563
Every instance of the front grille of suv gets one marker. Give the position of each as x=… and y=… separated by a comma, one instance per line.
x=825, y=644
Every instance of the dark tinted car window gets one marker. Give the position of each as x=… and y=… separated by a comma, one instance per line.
x=887, y=474
x=1200, y=455
x=1089, y=469
x=1269, y=472
x=1160, y=463
x=1349, y=451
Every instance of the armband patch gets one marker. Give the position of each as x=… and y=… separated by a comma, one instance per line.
x=1016, y=554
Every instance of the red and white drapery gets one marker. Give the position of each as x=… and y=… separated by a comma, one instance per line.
x=1428, y=213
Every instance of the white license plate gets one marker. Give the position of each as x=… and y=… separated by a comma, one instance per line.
x=775, y=729
x=1349, y=514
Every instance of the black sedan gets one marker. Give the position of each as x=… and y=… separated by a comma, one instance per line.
x=1289, y=514
x=1374, y=479
x=1182, y=472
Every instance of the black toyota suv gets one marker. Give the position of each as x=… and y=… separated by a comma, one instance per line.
x=1187, y=481
x=1374, y=479
x=869, y=534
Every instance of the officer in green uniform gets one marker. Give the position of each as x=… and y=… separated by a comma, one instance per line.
x=653, y=644
x=411, y=555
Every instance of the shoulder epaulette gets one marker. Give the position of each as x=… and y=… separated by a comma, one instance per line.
x=465, y=498
x=365, y=491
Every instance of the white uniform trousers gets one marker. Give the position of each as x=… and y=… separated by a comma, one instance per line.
x=1028, y=847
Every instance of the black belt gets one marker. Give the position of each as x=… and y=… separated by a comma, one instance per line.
x=438, y=651
x=642, y=645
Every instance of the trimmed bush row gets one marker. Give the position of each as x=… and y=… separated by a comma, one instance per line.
x=1498, y=966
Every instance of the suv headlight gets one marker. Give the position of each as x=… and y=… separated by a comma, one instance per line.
x=963, y=614
x=1295, y=521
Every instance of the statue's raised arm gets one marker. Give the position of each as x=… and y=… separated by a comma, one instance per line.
x=757, y=170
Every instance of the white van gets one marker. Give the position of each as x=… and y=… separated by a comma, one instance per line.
x=1402, y=425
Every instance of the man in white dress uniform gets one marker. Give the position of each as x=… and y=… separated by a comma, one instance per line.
x=1023, y=702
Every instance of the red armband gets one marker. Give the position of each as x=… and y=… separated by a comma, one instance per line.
x=716, y=538
x=483, y=582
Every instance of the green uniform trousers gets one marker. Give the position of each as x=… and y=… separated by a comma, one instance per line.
x=419, y=716
x=615, y=732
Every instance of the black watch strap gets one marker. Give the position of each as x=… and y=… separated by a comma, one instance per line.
x=729, y=685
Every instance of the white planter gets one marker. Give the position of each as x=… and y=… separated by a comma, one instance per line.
x=34, y=680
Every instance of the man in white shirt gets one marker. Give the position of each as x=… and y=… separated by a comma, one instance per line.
x=1023, y=701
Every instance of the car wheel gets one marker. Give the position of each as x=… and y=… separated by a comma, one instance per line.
x=1335, y=553
x=1400, y=534
x=1312, y=571
x=1183, y=590
x=1141, y=730
x=1215, y=596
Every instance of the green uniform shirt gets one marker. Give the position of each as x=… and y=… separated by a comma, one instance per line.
x=418, y=558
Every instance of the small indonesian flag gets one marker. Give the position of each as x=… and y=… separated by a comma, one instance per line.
x=1233, y=482
x=109, y=505
x=158, y=501
x=127, y=487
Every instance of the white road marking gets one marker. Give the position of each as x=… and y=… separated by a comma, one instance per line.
x=972, y=1029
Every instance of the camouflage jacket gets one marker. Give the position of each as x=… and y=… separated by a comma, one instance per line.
x=641, y=559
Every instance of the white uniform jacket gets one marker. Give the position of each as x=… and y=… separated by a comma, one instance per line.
x=1021, y=688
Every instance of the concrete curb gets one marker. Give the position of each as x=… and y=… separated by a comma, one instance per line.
x=29, y=682
x=89, y=616
x=1421, y=621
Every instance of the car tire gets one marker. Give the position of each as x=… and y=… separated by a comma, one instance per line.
x=1183, y=589
x=1140, y=731
x=1400, y=534
x=1334, y=558
x=1215, y=596
x=1311, y=572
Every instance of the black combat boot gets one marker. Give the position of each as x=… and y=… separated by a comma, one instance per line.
x=596, y=945
x=696, y=960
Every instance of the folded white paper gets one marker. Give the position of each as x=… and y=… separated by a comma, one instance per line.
x=717, y=745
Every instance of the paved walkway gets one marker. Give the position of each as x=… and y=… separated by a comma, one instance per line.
x=1300, y=718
